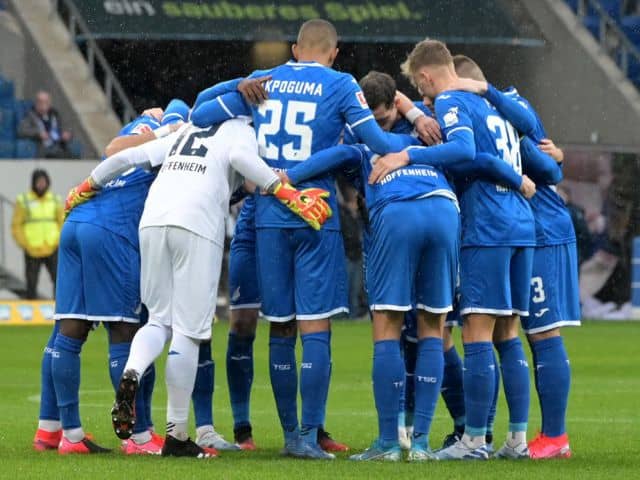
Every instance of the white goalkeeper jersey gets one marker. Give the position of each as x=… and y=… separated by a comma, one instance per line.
x=196, y=175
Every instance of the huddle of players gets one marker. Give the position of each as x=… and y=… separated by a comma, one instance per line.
x=418, y=238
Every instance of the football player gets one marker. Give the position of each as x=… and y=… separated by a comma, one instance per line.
x=98, y=282
x=497, y=249
x=308, y=106
x=554, y=299
x=180, y=241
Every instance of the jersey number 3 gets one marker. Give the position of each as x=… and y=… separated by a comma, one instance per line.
x=297, y=115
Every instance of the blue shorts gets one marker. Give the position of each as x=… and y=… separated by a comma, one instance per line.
x=302, y=273
x=98, y=275
x=243, y=275
x=414, y=255
x=555, y=295
x=495, y=280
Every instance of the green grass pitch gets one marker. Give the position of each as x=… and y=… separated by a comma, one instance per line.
x=604, y=423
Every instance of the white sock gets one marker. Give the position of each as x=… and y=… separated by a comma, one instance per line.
x=180, y=376
x=473, y=442
x=74, y=435
x=146, y=346
x=516, y=438
x=142, y=437
x=49, y=425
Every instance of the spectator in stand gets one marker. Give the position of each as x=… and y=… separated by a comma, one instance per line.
x=36, y=225
x=42, y=124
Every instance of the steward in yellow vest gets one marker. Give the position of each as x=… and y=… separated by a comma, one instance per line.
x=36, y=225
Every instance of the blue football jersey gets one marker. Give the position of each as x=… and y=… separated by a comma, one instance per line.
x=492, y=215
x=402, y=126
x=246, y=222
x=119, y=205
x=308, y=107
x=553, y=221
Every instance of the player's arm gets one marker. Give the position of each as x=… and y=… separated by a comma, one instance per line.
x=517, y=113
x=217, y=90
x=225, y=107
x=145, y=156
x=252, y=89
x=425, y=125
x=359, y=117
x=460, y=146
x=325, y=161
x=129, y=141
x=541, y=167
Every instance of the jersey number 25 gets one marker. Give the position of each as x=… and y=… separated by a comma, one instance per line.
x=296, y=116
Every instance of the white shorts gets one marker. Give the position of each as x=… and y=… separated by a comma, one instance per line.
x=179, y=277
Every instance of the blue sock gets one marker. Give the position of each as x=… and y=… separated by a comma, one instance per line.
x=324, y=410
x=428, y=377
x=314, y=383
x=515, y=377
x=410, y=359
x=284, y=382
x=118, y=355
x=240, y=376
x=452, y=389
x=553, y=379
x=494, y=402
x=147, y=383
x=478, y=378
x=48, y=401
x=65, y=368
x=388, y=381
x=202, y=395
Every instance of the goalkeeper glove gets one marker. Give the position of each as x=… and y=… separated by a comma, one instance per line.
x=308, y=204
x=80, y=194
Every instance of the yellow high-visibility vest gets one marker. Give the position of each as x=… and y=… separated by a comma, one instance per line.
x=41, y=228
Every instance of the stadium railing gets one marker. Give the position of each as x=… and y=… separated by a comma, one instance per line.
x=612, y=39
x=98, y=64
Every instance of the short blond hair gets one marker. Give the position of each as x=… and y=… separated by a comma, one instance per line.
x=466, y=67
x=425, y=53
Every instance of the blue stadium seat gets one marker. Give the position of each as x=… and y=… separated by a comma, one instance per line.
x=6, y=148
x=592, y=23
x=6, y=92
x=612, y=7
x=26, y=149
x=76, y=149
x=21, y=108
x=631, y=26
x=7, y=124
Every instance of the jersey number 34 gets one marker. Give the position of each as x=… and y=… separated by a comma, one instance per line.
x=296, y=116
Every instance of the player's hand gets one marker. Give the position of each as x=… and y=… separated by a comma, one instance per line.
x=470, y=85
x=155, y=112
x=252, y=89
x=428, y=130
x=527, y=188
x=309, y=204
x=550, y=148
x=80, y=194
x=387, y=164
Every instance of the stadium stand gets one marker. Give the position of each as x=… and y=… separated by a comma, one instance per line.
x=608, y=20
x=12, y=111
